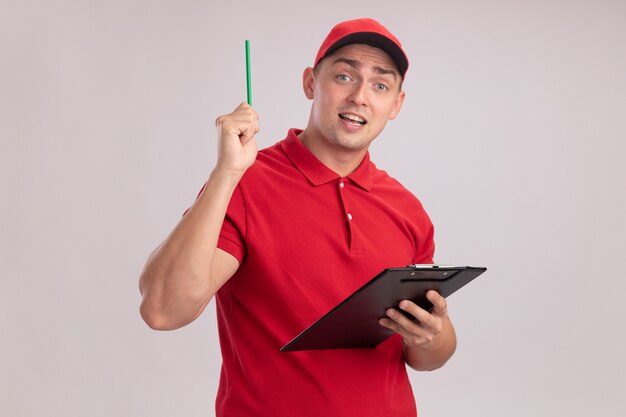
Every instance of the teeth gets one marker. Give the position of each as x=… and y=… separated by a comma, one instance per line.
x=352, y=117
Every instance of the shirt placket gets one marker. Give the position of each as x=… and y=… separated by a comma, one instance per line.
x=350, y=216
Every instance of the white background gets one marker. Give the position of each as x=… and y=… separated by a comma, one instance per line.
x=512, y=135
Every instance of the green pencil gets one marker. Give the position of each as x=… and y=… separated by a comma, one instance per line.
x=248, y=78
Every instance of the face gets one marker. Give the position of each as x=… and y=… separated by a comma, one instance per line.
x=355, y=91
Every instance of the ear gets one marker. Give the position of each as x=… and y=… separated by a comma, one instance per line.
x=308, y=82
x=397, y=106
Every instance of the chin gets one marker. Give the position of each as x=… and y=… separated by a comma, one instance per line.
x=355, y=141
x=353, y=145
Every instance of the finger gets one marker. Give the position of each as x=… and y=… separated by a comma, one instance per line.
x=394, y=326
x=251, y=119
x=389, y=324
x=247, y=110
x=440, y=305
x=416, y=311
x=412, y=333
x=243, y=106
x=246, y=136
x=424, y=330
x=426, y=321
x=256, y=121
x=409, y=325
x=243, y=123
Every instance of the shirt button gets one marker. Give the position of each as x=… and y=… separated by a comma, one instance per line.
x=341, y=184
x=349, y=216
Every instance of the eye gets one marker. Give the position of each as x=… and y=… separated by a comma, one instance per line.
x=381, y=87
x=343, y=77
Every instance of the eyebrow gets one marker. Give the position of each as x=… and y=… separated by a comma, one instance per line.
x=357, y=65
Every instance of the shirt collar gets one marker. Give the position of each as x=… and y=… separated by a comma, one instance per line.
x=316, y=172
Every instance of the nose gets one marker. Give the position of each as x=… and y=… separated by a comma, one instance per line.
x=359, y=94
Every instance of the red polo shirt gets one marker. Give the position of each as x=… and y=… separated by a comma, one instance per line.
x=307, y=238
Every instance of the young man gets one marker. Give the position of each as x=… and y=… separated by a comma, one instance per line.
x=285, y=234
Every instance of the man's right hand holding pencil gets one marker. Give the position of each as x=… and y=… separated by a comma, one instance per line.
x=237, y=146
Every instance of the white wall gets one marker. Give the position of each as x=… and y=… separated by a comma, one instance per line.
x=512, y=135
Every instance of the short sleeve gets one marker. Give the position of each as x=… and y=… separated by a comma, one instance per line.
x=231, y=238
x=425, y=250
x=232, y=235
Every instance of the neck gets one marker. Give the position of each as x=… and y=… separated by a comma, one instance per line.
x=340, y=160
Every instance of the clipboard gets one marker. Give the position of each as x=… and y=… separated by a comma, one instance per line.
x=353, y=323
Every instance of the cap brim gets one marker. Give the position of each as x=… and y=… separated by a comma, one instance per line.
x=378, y=41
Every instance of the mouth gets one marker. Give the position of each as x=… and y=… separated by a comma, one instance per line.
x=353, y=118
